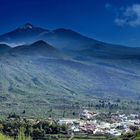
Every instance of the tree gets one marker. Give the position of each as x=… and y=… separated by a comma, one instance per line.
x=64, y=129
x=64, y=113
x=134, y=128
x=14, y=116
x=73, y=113
x=23, y=112
x=38, y=134
x=21, y=135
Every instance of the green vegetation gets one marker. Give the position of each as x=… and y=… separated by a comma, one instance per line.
x=41, y=87
x=56, y=137
x=2, y=137
x=23, y=129
x=21, y=135
x=131, y=136
x=49, y=131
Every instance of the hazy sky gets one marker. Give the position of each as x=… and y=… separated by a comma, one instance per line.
x=115, y=21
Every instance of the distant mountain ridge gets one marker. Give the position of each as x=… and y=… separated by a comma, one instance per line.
x=69, y=42
x=58, y=68
x=25, y=34
x=59, y=38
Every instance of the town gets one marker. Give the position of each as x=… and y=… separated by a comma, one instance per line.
x=113, y=124
x=89, y=125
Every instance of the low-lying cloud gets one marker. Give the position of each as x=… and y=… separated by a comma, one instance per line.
x=13, y=44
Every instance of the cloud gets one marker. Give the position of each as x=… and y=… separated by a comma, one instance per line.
x=108, y=5
x=13, y=44
x=128, y=16
x=120, y=22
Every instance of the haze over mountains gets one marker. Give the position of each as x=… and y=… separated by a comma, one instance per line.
x=64, y=40
x=52, y=65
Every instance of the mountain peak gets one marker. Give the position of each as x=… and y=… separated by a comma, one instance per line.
x=40, y=43
x=27, y=26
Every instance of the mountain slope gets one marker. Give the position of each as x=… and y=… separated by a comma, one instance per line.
x=42, y=83
x=39, y=48
x=4, y=48
x=73, y=69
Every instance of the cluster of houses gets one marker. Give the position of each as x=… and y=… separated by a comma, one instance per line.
x=89, y=124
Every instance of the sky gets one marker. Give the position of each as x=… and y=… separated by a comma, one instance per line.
x=112, y=21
